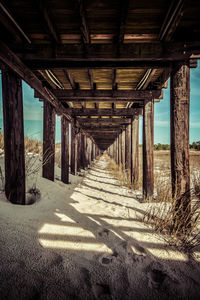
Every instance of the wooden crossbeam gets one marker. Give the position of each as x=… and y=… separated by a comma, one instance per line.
x=103, y=130
x=106, y=95
x=9, y=15
x=114, y=83
x=102, y=112
x=83, y=22
x=124, y=12
x=171, y=19
x=101, y=122
x=51, y=28
x=15, y=64
x=90, y=77
x=70, y=79
x=151, y=55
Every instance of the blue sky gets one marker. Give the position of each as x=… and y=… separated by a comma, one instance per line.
x=33, y=113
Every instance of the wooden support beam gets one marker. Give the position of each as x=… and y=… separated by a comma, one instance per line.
x=78, y=142
x=135, y=150
x=180, y=169
x=157, y=54
x=46, y=16
x=85, y=122
x=90, y=77
x=83, y=22
x=128, y=149
x=71, y=81
x=64, y=150
x=171, y=20
x=83, y=158
x=102, y=112
x=13, y=137
x=123, y=149
x=73, y=149
x=114, y=83
x=48, y=141
x=148, y=147
x=120, y=149
x=12, y=61
x=10, y=16
x=124, y=4
x=103, y=95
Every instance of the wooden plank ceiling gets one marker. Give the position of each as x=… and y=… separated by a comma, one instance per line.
x=109, y=48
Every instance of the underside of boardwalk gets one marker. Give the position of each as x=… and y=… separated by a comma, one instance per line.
x=100, y=65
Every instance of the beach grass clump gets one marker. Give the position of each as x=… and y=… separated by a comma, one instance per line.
x=177, y=224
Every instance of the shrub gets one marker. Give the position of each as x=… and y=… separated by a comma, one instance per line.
x=179, y=227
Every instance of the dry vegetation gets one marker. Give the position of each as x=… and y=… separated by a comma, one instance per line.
x=179, y=227
x=163, y=215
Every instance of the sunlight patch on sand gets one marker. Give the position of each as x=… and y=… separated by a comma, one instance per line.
x=77, y=246
x=168, y=254
x=65, y=230
x=64, y=218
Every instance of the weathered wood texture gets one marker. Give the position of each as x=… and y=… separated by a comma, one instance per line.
x=92, y=151
x=64, y=150
x=128, y=148
x=120, y=149
x=106, y=94
x=148, y=146
x=83, y=158
x=123, y=150
x=79, y=152
x=13, y=137
x=86, y=152
x=180, y=101
x=135, y=150
x=73, y=149
x=48, y=141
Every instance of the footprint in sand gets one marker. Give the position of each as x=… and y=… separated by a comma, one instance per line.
x=104, y=233
x=156, y=278
x=101, y=291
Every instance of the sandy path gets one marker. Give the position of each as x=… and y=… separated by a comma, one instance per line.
x=86, y=241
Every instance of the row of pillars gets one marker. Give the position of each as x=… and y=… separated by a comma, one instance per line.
x=125, y=149
x=83, y=149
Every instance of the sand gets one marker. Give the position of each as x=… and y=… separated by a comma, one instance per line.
x=86, y=240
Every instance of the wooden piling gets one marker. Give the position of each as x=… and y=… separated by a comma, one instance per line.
x=64, y=150
x=135, y=150
x=13, y=137
x=180, y=167
x=48, y=141
x=73, y=149
x=148, y=147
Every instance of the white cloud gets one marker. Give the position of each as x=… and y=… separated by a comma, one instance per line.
x=162, y=123
x=195, y=124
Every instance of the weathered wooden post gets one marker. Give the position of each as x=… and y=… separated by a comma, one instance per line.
x=73, y=149
x=135, y=149
x=13, y=137
x=128, y=149
x=78, y=138
x=180, y=167
x=64, y=150
x=148, y=147
x=120, y=149
x=92, y=149
x=48, y=141
x=86, y=152
x=117, y=152
x=82, y=151
x=123, y=149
